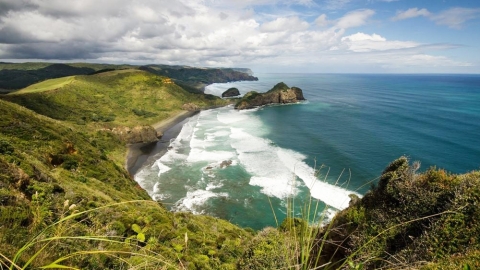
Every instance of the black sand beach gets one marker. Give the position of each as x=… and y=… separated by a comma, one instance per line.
x=138, y=154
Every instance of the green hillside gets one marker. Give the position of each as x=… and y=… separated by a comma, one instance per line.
x=123, y=97
x=47, y=85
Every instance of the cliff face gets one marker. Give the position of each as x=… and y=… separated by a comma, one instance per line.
x=279, y=94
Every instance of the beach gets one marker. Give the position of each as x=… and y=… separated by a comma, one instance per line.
x=139, y=153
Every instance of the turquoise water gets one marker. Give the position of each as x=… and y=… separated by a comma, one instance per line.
x=352, y=124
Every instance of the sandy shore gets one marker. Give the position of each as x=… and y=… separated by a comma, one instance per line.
x=139, y=153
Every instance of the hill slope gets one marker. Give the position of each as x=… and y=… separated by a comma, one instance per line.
x=124, y=97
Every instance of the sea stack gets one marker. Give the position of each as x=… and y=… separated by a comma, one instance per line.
x=279, y=94
x=231, y=92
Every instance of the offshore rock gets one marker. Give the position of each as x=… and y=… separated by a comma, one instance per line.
x=279, y=94
x=231, y=92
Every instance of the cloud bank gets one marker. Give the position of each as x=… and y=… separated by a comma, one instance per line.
x=211, y=33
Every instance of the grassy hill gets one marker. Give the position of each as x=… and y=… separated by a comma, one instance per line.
x=121, y=97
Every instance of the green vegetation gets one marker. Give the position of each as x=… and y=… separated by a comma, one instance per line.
x=409, y=219
x=17, y=76
x=123, y=97
x=47, y=85
x=196, y=79
x=14, y=76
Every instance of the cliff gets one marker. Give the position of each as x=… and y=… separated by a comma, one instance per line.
x=279, y=94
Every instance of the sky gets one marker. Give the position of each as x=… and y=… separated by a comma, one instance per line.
x=311, y=36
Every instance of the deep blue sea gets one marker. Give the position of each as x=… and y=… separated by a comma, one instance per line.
x=336, y=143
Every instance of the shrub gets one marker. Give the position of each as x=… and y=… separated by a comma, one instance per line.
x=6, y=148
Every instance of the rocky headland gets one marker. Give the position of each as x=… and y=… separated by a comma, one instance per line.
x=279, y=94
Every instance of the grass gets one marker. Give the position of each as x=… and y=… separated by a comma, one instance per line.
x=47, y=85
x=111, y=99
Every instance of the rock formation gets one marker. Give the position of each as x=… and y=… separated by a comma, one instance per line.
x=279, y=94
x=190, y=107
x=231, y=92
x=138, y=134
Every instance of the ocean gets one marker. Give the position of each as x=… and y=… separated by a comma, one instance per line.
x=246, y=166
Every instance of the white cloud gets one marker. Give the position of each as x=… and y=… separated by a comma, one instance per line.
x=456, y=17
x=355, y=18
x=336, y=4
x=291, y=24
x=321, y=20
x=411, y=13
x=361, y=42
x=453, y=17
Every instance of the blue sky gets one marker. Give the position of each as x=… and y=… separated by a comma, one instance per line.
x=346, y=36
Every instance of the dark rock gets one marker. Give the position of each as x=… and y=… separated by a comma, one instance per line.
x=231, y=92
x=225, y=163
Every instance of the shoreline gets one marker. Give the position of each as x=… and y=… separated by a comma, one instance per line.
x=139, y=153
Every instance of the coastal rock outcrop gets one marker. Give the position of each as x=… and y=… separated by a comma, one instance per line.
x=190, y=107
x=138, y=134
x=231, y=92
x=279, y=94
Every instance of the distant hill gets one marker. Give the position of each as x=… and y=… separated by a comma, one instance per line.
x=12, y=79
x=198, y=78
x=14, y=76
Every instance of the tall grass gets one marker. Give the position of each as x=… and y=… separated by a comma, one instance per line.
x=302, y=249
x=52, y=236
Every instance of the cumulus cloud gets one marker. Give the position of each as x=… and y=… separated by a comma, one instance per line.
x=411, y=13
x=361, y=42
x=196, y=32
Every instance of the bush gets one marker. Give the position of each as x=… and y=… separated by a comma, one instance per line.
x=6, y=148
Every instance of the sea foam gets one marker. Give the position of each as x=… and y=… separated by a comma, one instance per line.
x=240, y=137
